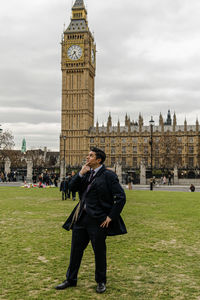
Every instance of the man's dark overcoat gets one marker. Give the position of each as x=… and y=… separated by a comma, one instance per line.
x=105, y=197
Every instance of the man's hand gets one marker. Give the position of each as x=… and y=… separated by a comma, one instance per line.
x=106, y=222
x=84, y=169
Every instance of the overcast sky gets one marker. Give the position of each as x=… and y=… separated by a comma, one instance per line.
x=148, y=61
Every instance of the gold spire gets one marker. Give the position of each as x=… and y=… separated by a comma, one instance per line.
x=79, y=11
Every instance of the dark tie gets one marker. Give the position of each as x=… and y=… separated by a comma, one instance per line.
x=82, y=206
x=90, y=179
x=91, y=176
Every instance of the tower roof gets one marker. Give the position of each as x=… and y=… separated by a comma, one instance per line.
x=79, y=18
x=79, y=4
x=169, y=119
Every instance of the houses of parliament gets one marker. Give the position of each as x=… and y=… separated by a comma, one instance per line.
x=128, y=145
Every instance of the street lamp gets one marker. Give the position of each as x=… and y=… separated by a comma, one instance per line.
x=151, y=123
x=64, y=138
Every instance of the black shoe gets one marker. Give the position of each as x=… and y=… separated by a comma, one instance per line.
x=64, y=285
x=101, y=287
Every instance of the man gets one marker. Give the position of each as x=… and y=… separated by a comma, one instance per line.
x=95, y=217
x=73, y=193
x=69, y=178
x=64, y=188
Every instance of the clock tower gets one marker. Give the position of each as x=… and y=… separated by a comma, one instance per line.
x=78, y=73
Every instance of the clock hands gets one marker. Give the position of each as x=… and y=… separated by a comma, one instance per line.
x=74, y=52
x=74, y=55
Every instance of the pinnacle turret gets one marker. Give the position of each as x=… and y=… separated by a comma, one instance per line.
x=169, y=119
x=79, y=4
x=79, y=18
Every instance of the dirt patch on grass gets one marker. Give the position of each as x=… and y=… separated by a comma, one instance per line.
x=27, y=249
x=163, y=245
x=3, y=222
x=43, y=259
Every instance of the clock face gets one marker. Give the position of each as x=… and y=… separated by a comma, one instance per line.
x=74, y=52
x=93, y=56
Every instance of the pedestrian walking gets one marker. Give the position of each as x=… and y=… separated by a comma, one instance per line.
x=192, y=188
x=64, y=189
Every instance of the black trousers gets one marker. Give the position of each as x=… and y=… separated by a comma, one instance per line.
x=73, y=194
x=85, y=230
x=64, y=195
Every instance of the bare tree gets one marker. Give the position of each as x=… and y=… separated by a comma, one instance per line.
x=168, y=151
x=6, y=140
x=6, y=144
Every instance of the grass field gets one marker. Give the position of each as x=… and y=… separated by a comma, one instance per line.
x=159, y=258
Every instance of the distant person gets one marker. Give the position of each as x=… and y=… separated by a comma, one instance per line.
x=68, y=178
x=56, y=180
x=129, y=183
x=73, y=192
x=164, y=180
x=192, y=188
x=151, y=184
x=34, y=178
x=169, y=179
x=64, y=189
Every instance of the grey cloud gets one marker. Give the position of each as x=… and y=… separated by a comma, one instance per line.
x=29, y=115
x=37, y=135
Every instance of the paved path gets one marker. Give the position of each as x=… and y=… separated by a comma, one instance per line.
x=11, y=183
x=169, y=188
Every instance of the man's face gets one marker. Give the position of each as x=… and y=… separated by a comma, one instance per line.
x=92, y=161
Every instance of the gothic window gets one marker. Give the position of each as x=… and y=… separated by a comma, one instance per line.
x=157, y=139
x=179, y=150
x=145, y=161
x=179, y=139
x=157, y=163
x=102, y=148
x=92, y=140
x=124, y=140
x=179, y=160
x=102, y=140
x=191, y=162
x=135, y=162
x=146, y=150
x=112, y=161
x=145, y=140
x=78, y=15
x=135, y=140
x=113, y=140
x=124, y=149
x=191, y=149
x=156, y=149
x=123, y=161
x=134, y=149
x=112, y=150
x=191, y=139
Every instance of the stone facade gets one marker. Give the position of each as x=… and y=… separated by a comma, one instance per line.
x=173, y=145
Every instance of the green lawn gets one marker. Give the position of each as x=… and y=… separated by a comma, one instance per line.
x=159, y=258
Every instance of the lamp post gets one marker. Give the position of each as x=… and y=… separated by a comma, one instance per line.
x=151, y=123
x=64, y=138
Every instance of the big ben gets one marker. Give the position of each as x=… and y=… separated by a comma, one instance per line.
x=78, y=74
